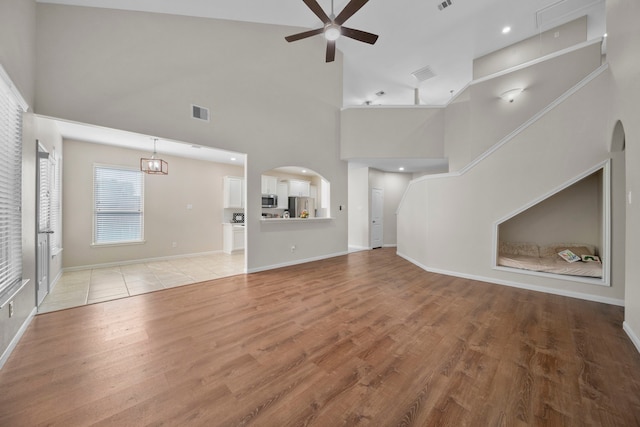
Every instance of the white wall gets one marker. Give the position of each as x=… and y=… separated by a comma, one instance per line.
x=455, y=232
x=277, y=102
x=623, y=44
x=166, y=217
x=17, y=56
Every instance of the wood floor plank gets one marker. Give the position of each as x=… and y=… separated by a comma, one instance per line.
x=363, y=339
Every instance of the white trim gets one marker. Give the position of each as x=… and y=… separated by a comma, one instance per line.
x=606, y=228
x=16, y=338
x=632, y=335
x=389, y=245
x=353, y=248
x=296, y=262
x=13, y=89
x=491, y=280
x=54, y=282
x=138, y=261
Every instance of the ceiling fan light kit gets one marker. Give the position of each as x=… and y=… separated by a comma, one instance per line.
x=333, y=28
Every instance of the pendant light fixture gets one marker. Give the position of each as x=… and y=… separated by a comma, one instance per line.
x=154, y=165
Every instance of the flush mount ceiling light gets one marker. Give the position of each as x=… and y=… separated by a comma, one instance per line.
x=154, y=166
x=511, y=94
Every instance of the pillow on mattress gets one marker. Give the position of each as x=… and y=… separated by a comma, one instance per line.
x=577, y=248
x=519, y=248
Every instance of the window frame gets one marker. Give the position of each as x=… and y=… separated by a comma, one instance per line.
x=137, y=241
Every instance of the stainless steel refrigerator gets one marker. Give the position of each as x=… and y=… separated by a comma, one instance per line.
x=299, y=204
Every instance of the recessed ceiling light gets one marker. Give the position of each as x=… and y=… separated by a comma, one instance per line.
x=604, y=35
x=400, y=168
x=506, y=30
x=304, y=171
x=233, y=159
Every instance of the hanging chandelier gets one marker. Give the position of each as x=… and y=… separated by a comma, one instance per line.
x=154, y=165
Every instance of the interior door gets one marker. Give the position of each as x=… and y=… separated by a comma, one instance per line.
x=44, y=224
x=377, y=203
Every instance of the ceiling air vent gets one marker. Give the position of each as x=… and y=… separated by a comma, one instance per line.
x=199, y=113
x=443, y=5
x=424, y=74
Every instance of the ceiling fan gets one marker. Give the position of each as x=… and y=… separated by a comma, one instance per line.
x=333, y=27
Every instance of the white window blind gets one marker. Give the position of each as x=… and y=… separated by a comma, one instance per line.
x=118, y=205
x=10, y=187
x=56, y=206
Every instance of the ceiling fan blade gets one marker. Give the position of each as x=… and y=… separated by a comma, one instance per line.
x=315, y=8
x=352, y=7
x=331, y=50
x=362, y=36
x=304, y=35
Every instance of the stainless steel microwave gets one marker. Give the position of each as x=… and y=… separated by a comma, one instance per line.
x=269, y=201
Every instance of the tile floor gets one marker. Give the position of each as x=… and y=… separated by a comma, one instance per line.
x=80, y=287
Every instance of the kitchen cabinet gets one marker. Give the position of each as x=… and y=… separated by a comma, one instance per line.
x=269, y=184
x=283, y=195
x=299, y=188
x=233, y=192
x=232, y=238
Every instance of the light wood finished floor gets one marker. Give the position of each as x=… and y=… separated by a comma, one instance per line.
x=363, y=339
x=88, y=286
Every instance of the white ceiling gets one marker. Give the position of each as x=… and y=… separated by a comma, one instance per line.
x=136, y=141
x=413, y=34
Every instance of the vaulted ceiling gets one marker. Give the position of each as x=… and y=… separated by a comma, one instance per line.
x=413, y=34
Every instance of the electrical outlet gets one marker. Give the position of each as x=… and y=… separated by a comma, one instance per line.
x=174, y=244
x=293, y=248
x=11, y=309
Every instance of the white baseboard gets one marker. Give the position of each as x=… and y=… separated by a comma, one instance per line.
x=138, y=261
x=390, y=245
x=16, y=338
x=632, y=335
x=358, y=248
x=296, y=262
x=571, y=294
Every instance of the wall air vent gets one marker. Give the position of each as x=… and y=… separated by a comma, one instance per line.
x=424, y=73
x=443, y=5
x=200, y=113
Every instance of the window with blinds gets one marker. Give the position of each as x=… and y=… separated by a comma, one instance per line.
x=10, y=188
x=118, y=195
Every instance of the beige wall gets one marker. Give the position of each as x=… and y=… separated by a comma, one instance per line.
x=388, y=132
x=472, y=127
x=547, y=42
x=17, y=56
x=623, y=44
x=166, y=216
x=455, y=233
x=277, y=102
x=570, y=216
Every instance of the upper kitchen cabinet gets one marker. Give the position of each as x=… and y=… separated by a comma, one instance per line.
x=299, y=188
x=269, y=184
x=233, y=192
